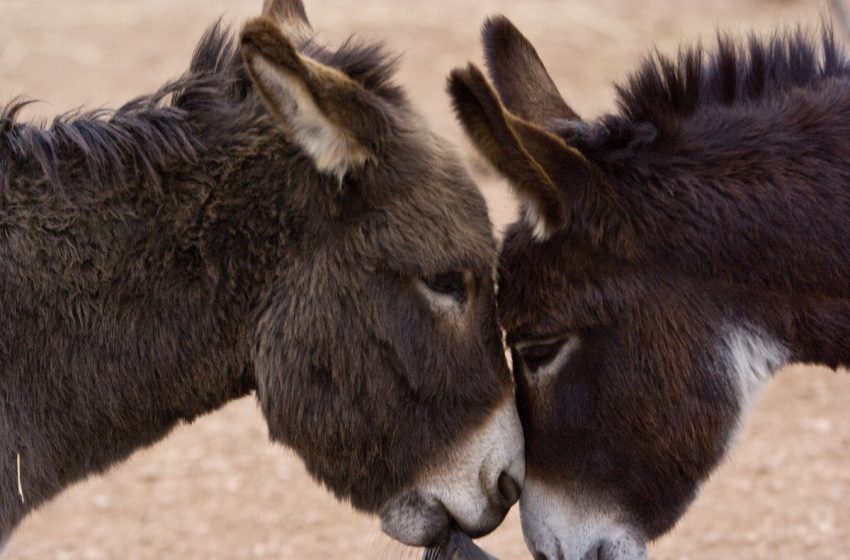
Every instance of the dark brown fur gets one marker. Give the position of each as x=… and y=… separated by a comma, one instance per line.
x=721, y=199
x=162, y=259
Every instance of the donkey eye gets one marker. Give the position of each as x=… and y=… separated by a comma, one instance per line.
x=451, y=284
x=537, y=355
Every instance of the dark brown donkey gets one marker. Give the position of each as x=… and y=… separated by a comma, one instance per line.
x=278, y=220
x=671, y=258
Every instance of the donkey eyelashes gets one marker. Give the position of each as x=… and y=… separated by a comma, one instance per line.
x=538, y=355
x=541, y=356
x=452, y=284
x=447, y=291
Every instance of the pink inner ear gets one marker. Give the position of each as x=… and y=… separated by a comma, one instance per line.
x=334, y=149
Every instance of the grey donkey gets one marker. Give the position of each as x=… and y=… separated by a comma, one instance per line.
x=278, y=220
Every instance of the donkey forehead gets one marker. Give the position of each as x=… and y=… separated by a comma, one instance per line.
x=434, y=214
x=424, y=240
x=546, y=287
x=413, y=208
x=407, y=234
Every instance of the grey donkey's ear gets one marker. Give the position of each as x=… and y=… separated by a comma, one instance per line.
x=542, y=168
x=290, y=16
x=335, y=120
x=519, y=75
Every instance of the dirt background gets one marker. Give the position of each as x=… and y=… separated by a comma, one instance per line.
x=217, y=488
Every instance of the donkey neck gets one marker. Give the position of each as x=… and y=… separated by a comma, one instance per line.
x=132, y=311
x=751, y=201
x=772, y=218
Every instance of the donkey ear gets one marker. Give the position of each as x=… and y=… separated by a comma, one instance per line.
x=290, y=16
x=535, y=161
x=335, y=120
x=522, y=81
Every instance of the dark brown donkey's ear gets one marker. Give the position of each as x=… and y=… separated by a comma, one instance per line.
x=541, y=167
x=522, y=81
x=335, y=120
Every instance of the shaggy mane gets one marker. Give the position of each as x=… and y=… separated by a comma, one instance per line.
x=666, y=91
x=210, y=103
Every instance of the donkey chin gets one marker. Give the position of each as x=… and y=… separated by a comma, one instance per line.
x=472, y=490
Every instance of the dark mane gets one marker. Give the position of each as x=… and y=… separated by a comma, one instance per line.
x=666, y=91
x=205, y=107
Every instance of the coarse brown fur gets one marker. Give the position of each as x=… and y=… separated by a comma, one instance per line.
x=719, y=200
x=160, y=260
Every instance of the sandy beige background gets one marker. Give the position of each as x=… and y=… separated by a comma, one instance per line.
x=217, y=488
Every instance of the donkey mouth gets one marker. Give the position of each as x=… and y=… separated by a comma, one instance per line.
x=458, y=547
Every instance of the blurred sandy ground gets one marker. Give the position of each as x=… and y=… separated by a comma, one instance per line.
x=218, y=489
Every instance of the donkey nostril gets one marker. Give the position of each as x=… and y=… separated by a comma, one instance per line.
x=540, y=556
x=508, y=489
x=594, y=554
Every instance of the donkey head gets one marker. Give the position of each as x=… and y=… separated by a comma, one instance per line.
x=378, y=354
x=629, y=379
